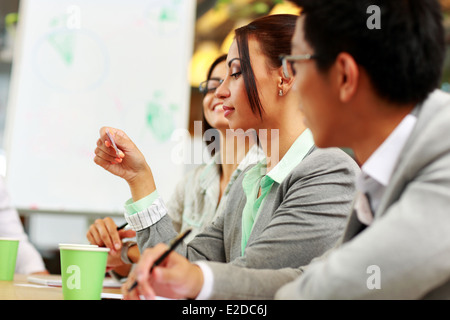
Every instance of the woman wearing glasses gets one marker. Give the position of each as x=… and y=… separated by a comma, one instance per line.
x=282, y=212
x=201, y=193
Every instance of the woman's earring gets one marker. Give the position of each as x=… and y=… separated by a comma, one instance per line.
x=280, y=93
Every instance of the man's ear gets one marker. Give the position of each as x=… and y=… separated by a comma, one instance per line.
x=347, y=76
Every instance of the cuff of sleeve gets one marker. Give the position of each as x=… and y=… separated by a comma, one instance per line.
x=148, y=217
x=140, y=205
x=208, y=280
x=124, y=252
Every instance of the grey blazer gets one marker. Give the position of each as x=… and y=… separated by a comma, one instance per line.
x=404, y=254
x=300, y=219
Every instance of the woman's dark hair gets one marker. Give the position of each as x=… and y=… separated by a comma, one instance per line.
x=403, y=57
x=205, y=125
x=274, y=34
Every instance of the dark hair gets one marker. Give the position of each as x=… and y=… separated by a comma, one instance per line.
x=274, y=34
x=205, y=125
x=403, y=58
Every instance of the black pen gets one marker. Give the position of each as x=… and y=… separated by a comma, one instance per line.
x=174, y=244
x=122, y=226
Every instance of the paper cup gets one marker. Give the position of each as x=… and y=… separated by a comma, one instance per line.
x=83, y=269
x=8, y=257
x=78, y=245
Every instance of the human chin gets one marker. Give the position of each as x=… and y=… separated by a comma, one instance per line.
x=236, y=123
x=215, y=120
x=244, y=123
x=323, y=138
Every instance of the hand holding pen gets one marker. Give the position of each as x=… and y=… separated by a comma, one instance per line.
x=117, y=153
x=105, y=233
x=174, y=244
x=174, y=278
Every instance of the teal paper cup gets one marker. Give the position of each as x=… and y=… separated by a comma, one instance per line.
x=83, y=269
x=8, y=257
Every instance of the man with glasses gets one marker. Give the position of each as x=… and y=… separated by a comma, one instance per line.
x=381, y=102
x=374, y=91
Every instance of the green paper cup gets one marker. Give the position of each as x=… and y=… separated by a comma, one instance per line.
x=8, y=257
x=77, y=245
x=83, y=269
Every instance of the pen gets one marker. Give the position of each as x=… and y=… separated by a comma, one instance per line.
x=122, y=226
x=113, y=142
x=174, y=244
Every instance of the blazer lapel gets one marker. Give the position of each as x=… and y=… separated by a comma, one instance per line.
x=409, y=163
x=415, y=152
x=264, y=216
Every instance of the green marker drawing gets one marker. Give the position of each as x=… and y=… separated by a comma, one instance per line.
x=160, y=118
x=170, y=12
x=62, y=40
x=64, y=44
x=163, y=18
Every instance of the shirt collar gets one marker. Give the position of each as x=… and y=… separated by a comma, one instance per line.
x=211, y=173
x=292, y=158
x=381, y=163
x=253, y=156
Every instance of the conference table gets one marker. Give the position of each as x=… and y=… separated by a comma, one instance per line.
x=21, y=288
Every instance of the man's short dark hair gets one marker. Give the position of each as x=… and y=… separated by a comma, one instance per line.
x=403, y=58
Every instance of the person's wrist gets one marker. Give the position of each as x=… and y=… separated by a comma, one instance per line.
x=142, y=184
x=196, y=282
x=124, y=252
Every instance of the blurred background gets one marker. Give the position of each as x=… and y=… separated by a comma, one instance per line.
x=215, y=21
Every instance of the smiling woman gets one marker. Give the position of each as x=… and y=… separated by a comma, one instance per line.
x=260, y=89
x=212, y=107
x=291, y=206
x=198, y=196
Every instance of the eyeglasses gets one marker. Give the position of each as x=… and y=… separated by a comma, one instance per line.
x=285, y=59
x=209, y=85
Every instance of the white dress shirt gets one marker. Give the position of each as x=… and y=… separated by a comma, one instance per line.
x=28, y=258
x=378, y=169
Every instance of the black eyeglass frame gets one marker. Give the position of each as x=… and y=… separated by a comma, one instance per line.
x=203, y=87
x=285, y=58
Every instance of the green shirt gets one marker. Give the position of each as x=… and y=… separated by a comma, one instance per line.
x=258, y=177
x=133, y=207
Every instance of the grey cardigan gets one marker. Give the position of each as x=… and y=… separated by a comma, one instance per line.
x=300, y=219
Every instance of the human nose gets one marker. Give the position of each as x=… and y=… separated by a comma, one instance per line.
x=222, y=90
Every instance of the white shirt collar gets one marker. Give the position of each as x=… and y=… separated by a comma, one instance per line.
x=253, y=156
x=381, y=163
x=377, y=170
